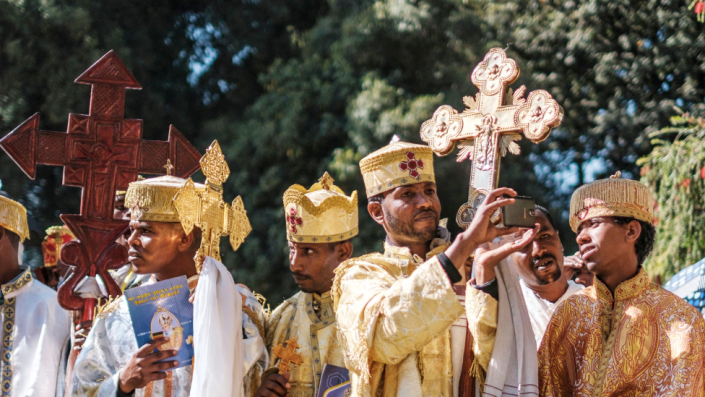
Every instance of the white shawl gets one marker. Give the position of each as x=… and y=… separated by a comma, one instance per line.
x=513, y=368
x=218, y=367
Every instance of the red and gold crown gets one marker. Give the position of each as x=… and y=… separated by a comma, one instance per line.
x=56, y=237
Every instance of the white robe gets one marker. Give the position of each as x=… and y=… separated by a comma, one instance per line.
x=111, y=343
x=541, y=310
x=35, y=331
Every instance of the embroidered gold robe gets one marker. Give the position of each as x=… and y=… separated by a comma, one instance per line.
x=394, y=314
x=316, y=335
x=643, y=342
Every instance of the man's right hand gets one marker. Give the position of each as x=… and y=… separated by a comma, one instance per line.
x=274, y=385
x=481, y=230
x=144, y=368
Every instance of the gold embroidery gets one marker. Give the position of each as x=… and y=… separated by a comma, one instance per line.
x=13, y=217
x=23, y=279
x=611, y=197
x=590, y=349
x=373, y=163
x=8, y=340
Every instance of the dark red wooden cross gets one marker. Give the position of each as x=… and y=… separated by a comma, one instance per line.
x=101, y=152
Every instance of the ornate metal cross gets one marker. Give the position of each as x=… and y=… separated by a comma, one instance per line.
x=206, y=209
x=288, y=355
x=488, y=127
x=101, y=152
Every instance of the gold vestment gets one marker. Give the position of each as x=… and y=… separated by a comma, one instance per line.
x=315, y=334
x=394, y=313
x=643, y=342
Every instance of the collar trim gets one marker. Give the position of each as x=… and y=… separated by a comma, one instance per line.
x=628, y=289
x=19, y=282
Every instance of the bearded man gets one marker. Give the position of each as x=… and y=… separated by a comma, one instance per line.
x=395, y=310
x=111, y=364
x=544, y=283
x=320, y=225
x=35, y=328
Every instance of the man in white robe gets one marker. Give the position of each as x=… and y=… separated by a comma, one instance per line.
x=35, y=329
x=543, y=281
x=229, y=347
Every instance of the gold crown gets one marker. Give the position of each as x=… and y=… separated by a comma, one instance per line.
x=152, y=199
x=55, y=239
x=397, y=164
x=13, y=217
x=614, y=196
x=321, y=214
x=204, y=208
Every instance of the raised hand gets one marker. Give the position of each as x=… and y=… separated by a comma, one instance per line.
x=486, y=259
x=481, y=230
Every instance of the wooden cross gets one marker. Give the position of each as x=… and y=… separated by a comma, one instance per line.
x=488, y=127
x=101, y=152
x=288, y=355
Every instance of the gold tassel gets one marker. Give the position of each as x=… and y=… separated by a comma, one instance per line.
x=478, y=373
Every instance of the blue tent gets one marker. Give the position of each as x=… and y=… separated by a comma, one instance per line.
x=689, y=284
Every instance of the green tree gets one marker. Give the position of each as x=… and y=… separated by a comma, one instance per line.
x=617, y=67
x=365, y=71
x=675, y=172
x=174, y=48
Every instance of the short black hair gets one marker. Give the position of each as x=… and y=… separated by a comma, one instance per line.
x=378, y=198
x=548, y=215
x=645, y=243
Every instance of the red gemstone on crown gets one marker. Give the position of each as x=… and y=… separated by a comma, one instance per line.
x=411, y=165
x=293, y=221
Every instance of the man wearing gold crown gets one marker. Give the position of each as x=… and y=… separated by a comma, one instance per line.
x=35, y=328
x=169, y=238
x=320, y=224
x=395, y=310
x=623, y=335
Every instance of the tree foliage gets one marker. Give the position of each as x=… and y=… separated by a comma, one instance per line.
x=675, y=172
x=293, y=89
x=618, y=67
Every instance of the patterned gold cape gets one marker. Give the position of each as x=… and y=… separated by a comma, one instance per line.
x=643, y=342
x=394, y=313
x=315, y=334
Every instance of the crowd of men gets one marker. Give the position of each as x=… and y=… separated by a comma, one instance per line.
x=493, y=311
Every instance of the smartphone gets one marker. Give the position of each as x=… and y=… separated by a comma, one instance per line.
x=521, y=214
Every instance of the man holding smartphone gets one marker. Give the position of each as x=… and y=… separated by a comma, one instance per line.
x=544, y=280
x=395, y=309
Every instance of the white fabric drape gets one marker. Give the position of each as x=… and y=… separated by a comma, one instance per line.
x=40, y=331
x=218, y=367
x=541, y=310
x=513, y=368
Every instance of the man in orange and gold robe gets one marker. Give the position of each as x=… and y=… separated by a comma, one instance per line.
x=623, y=336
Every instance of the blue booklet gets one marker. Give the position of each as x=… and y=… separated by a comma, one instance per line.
x=334, y=381
x=162, y=310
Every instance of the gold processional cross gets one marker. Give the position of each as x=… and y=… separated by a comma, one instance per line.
x=287, y=354
x=493, y=120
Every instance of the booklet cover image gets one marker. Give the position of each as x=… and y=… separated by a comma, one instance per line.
x=162, y=310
